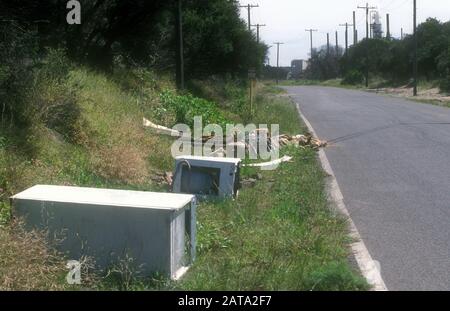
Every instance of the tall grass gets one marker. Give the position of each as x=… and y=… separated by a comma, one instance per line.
x=279, y=235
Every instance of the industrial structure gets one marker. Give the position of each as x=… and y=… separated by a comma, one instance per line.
x=376, y=28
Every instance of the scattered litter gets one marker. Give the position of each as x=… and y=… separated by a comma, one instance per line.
x=219, y=153
x=271, y=163
x=161, y=129
x=254, y=136
x=168, y=177
x=301, y=141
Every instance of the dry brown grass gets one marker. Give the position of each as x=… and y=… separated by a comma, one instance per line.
x=27, y=262
x=124, y=163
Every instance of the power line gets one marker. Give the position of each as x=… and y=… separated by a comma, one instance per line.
x=346, y=25
x=415, y=48
x=388, y=27
x=249, y=7
x=278, y=59
x=337, y=43
x=257, y=30
x=367, y=8
x=311, y=37
x=328, y=44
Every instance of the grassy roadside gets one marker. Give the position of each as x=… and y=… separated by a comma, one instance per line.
x=278, y=235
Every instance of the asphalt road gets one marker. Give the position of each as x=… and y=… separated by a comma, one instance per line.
x=391, y=158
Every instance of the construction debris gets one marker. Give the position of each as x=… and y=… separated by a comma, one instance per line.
x=271, y=163
x=250, y=139
x=301, y=141
x=161, y=129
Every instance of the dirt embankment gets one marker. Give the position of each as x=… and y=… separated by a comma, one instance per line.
x=429, y=94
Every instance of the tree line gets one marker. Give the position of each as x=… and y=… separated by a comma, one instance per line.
x=141, y=32
x=390, y=59
x=120, y=34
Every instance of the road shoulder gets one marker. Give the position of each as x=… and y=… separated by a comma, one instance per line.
x=368, y=267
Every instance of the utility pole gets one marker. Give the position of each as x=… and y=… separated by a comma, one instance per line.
x=179, y=49
x=278, y=59
x=328, y=44
x=401, y=33
x=388, y=28
x=249, y=7
x=257, y=30
x=415, y=48
x=355, y=39
x=367, y=8
x=337, y=44
x=310, y=34
x=346, y=35
x=356, y=35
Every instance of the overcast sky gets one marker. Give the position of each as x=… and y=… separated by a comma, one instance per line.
x=287, y=20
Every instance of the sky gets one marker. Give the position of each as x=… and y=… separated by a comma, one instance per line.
x=287, y=20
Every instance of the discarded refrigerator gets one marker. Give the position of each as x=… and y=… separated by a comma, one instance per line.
x=156, y=231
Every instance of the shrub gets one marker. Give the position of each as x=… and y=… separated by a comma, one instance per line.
x=27, y=262
x=121, y=164
x=18, y=55
x=51, y=98
x=186, y=107
x=444, y=84
x=353, y=77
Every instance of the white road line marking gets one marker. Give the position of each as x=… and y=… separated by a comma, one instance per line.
x=369, y=268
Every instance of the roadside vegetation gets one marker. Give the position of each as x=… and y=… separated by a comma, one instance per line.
x=278, y=235
x=390, y=61
x=71, y=114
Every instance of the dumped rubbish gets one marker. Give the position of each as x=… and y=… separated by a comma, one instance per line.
x=161, y=129
x=254, y=136
x=249, y=145
x=207, y=176
x=270, y=164
x=157, y=230
x=301, y=141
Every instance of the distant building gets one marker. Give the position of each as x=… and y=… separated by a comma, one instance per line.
x=298, y=66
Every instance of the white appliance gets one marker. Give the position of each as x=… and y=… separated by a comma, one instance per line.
x=207, y=176
x=156, y=230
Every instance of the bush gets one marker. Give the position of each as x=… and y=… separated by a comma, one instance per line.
x=52, y=98
x=18, y=55
x=444, y=84
x=186, y=107
x=353, y=77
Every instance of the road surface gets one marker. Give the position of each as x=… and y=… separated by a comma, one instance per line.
x=391, y=158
